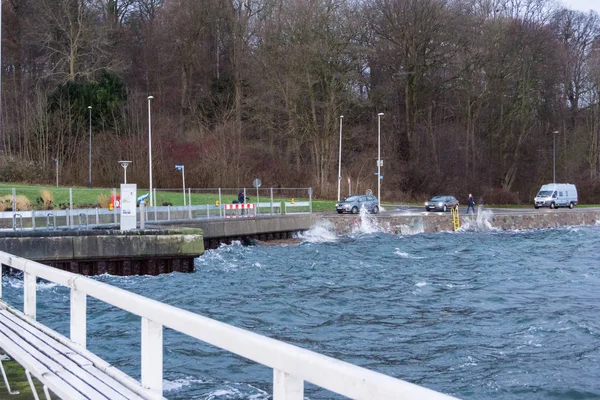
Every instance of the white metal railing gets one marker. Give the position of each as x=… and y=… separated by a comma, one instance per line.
x=292, y=365
x=297, y=207
x=90, y=217
x=84, y=217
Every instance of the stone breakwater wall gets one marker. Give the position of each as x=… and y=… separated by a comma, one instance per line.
x=405, y=224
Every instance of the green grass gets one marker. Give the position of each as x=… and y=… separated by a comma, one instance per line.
x=86, y=197
x=18, y=381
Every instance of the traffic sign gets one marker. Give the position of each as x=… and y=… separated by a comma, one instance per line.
x=256, y=183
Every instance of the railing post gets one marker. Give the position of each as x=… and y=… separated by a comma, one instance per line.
x=1, y=272
x=142, y=215
x=29, y=299
x=189, y=203
x=114, y=205
x=220, y=203
x=14, y=202
x=287, y=387
x=71, y=219
x=97, y=216
x=154, y=203
x=78, y=317
x=33, y=219
x=152, y=355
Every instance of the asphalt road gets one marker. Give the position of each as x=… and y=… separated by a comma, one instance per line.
x=399, y=209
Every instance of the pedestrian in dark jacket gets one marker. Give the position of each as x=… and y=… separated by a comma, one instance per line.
x=471, y=204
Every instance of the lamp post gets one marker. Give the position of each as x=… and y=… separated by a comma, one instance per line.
x=150, y=148
x=124, y=164
x=182, y=169
x=379, y=160
x=90, y=156
x=554, y=157
x=340, y=160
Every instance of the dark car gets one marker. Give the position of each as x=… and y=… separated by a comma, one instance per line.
x=441, y=203
x=354, y=203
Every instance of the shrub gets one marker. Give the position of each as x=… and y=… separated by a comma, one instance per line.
x=23, y=203
x=47, y=200
x=104, y=200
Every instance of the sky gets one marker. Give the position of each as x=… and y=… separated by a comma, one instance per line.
x=583, y=5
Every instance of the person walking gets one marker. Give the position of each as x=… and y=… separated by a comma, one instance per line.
x=242, y=199
x=471, y=204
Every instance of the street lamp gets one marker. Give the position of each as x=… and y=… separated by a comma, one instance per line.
x=554, y=157
x=379, y=160
x=182, y=169
x=150, y=148
x=125, y=164
x=90, y=157
x=340, y=160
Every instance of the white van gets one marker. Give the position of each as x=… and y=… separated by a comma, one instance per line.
x=556, y=195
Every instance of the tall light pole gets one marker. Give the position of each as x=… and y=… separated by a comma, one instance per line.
x=340, y=160
x=90, y=157
x=379, y=160
x=150, y=148
x=554, y=157
x=182, y=169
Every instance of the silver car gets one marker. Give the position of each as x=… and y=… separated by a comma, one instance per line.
x=441, y=203
x=355, y=202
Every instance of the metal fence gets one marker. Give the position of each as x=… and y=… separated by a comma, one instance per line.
x=54, y=208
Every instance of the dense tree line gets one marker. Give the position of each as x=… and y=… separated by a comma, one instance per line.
x=475, y=93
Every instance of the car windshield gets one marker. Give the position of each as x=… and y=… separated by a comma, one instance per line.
x=439, y=198
x=352, y=198
x=545, y=193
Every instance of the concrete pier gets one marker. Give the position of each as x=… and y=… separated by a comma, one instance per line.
x=96, y=252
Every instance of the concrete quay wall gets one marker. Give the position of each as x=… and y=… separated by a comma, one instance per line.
x=442, y=222
x=108, y=251
x=244, y=229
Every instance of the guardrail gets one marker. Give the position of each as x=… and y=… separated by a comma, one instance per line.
x=292, y=365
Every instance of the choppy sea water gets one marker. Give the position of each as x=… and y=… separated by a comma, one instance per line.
x=476, y=314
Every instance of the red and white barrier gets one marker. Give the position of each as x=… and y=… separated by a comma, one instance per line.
x=241, y=206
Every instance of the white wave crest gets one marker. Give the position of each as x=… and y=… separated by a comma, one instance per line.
x=406, y=255
x=368, y=223
x=17, y=283
x=414, y=229
x=479, y=222
x=322, y=231
x=179, y=383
